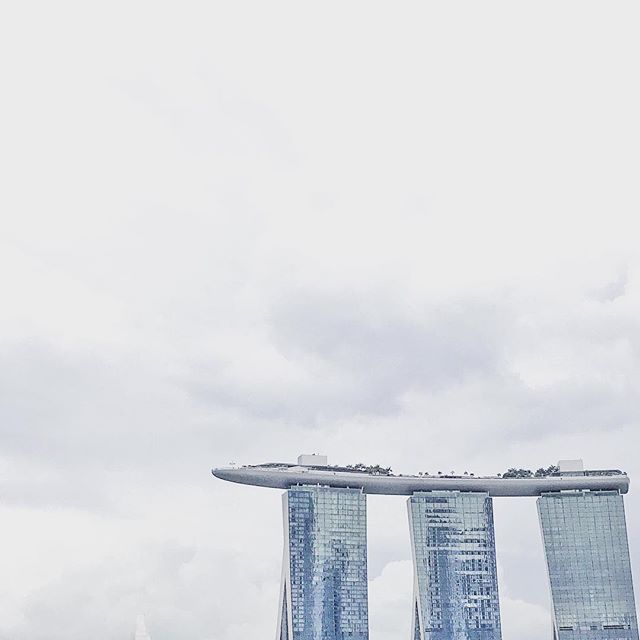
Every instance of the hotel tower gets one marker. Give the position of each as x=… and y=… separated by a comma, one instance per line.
x=323, y=593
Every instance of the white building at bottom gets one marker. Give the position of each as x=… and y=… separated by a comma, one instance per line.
x=141, y=629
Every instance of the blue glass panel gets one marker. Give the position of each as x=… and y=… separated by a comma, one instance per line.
x=455, y=565
x=587, y=553
x=326, y=563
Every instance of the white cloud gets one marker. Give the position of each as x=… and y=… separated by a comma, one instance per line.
x=390, y=601
x=524, y=620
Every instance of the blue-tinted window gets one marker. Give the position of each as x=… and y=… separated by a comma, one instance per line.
x=326, y=564
x=455, y=566
x=585, y=541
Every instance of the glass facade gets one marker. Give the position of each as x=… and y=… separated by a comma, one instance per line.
x=324, y=582
x=587, y=553
x=454, y=558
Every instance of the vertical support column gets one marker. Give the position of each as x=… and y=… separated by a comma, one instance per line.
x=454, y=559
x=587, y=553
x=324, y=592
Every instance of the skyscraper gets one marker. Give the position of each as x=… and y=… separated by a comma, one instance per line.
x=587, y=553
x=454, y=559
x=324, y=573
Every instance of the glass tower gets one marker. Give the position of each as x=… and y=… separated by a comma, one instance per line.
x=454, y=559
x=324, y=573
x=585, y=542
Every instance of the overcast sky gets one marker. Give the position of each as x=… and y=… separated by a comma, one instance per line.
x=395, y=233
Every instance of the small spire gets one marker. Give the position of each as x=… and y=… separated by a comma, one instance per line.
x=141, y=629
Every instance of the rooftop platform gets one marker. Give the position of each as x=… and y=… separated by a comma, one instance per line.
x=284, y=475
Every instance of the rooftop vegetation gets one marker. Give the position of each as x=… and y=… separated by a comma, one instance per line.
x=374, y=470
x=542, y=472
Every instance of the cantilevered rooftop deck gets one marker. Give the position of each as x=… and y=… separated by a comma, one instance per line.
x=284, y=476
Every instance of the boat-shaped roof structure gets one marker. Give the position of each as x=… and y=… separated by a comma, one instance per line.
x=381, y=481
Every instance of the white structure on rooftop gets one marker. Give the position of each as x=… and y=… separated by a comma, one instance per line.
x=312, y=460
x=570, y=466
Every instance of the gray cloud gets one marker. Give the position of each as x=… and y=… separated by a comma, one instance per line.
x=387, y=346
x=614, y=289
x=357, y=353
